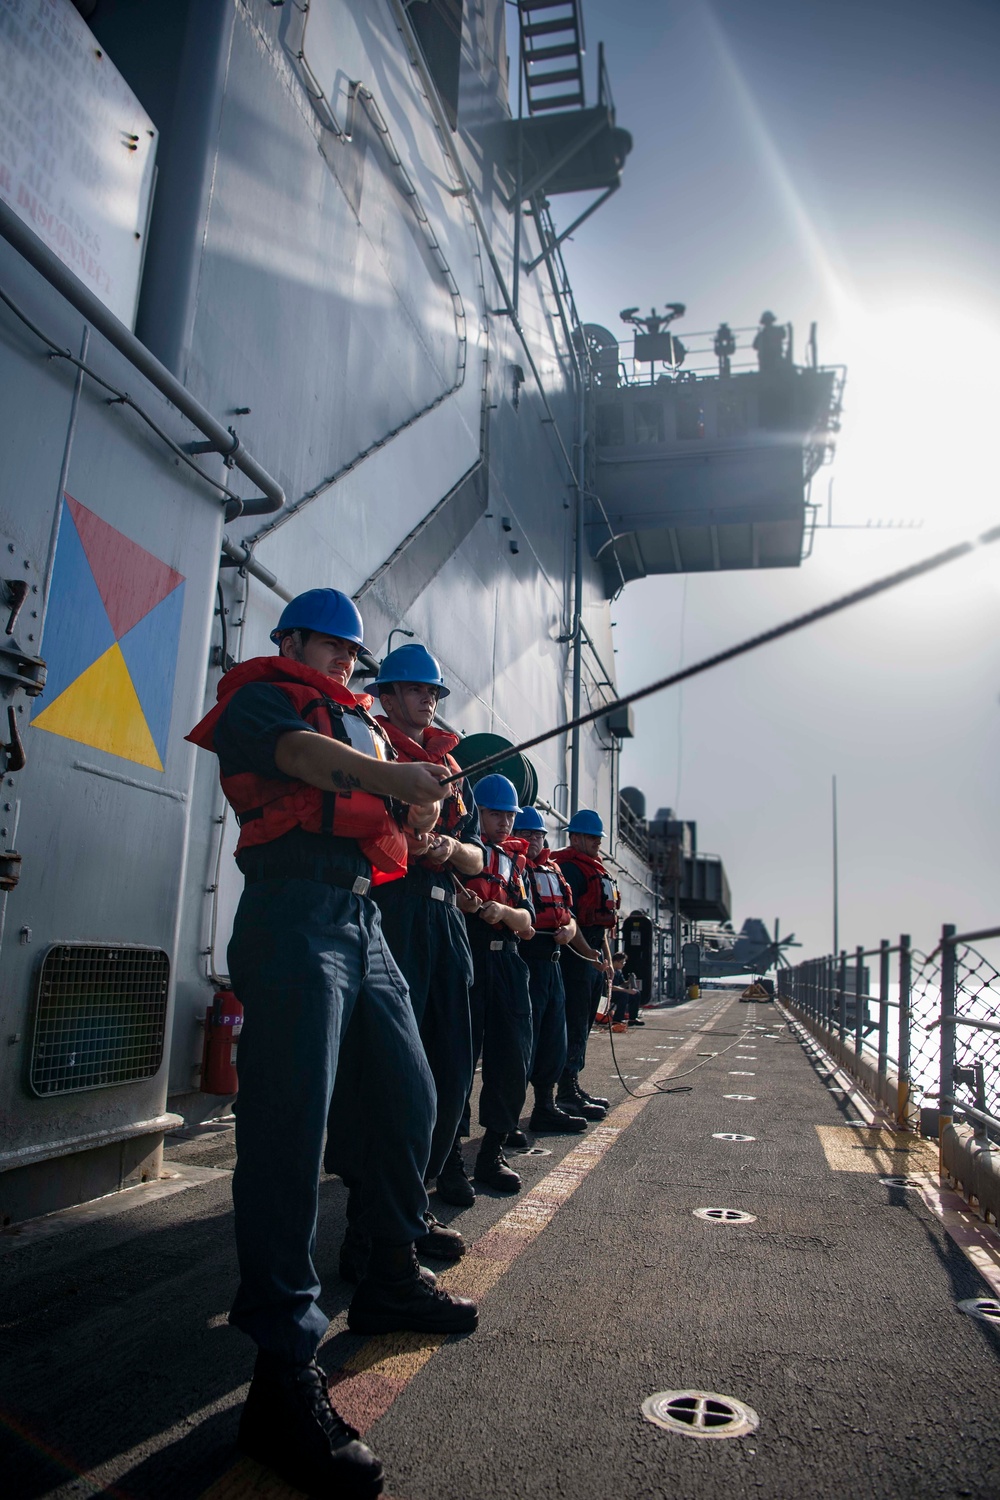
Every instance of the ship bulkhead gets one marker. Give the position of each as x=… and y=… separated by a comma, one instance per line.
x=259, y=334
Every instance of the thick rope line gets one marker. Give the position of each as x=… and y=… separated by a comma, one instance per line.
x=799, y=622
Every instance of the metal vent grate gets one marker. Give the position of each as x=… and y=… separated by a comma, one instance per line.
x=99, y=1019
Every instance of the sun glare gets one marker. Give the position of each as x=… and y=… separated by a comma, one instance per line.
x=919, y=413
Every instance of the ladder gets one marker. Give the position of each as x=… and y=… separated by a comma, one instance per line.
x=552, y=44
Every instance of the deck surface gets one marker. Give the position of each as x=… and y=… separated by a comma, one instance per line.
x=833, y=1314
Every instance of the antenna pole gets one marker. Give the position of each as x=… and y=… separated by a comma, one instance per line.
x=836, y=878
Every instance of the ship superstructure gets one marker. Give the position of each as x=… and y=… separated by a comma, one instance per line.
x=284, y=306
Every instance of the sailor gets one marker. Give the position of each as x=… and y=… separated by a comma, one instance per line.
x=426, y=934
x=310, y=777
x=769, y=342
x=555, y=928
x=595, y=906
x=502, y=916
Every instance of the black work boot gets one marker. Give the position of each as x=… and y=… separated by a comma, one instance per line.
x=570, y=1097
x=590, y=1098
x=453, y=1184
x=354, y=1253
x=391, y=1299
x=439, y=1241
x=492, y=1167
x=289, y=1425
x=548, y=1119
x=516, y=1140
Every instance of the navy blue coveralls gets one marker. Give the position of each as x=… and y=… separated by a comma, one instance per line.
x=544, y=957
x=501, y=1023
x=583, y=982
x=427, y=935
x=306, y=959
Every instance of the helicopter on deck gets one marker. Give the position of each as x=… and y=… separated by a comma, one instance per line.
x=750, y=951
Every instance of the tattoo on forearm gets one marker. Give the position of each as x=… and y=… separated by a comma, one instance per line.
x=344, y=781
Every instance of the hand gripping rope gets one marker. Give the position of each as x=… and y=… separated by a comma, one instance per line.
x=799, y=622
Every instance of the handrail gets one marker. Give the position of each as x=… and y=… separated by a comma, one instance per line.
x=223, y=440
x=968, y=1109
x=957, y=1020
x=965, y=937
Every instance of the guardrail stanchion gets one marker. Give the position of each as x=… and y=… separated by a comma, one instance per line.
x=903, y=1066
x=883, y=1008
x=859, y=1015
x=842, y=987
x=947, y=1082
x=980, y=1132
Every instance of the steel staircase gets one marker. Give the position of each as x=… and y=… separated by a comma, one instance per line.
x=552, y=33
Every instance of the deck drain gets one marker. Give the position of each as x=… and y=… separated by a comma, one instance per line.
x=748, y=1097
x=903, y=1182
x=860, y=1125
x=986, y=1309
x=700, y=1414
x=741, y=1073
x=724, y=1215
x=731, y=1135
x=531, y=1151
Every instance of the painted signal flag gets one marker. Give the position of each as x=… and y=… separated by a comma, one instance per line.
x=112, y=634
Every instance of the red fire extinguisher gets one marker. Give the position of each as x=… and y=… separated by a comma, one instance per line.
x=223, y=1024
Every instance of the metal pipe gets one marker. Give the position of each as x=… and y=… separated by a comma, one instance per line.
x=224, y=440
x=883, y=1009
x=244, y=558
x=842, y=987
x=968, y=1109
x=948, y=966
x=859, y=1015
x=964, y=937
x=956, y=1020
x=836, y=893
x=903, y=1061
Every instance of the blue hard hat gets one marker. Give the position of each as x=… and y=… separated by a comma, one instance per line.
x=327, y=611
x=586, y=821
x=410, y=663
x=496, y=793
x=529, y=820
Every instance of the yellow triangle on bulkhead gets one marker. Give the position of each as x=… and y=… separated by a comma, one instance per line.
x=101, y=709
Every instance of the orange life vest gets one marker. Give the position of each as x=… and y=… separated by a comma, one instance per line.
x=501, y=880
x=551, y=895
x=598, y=905
x=434, y=750
x=266, y=808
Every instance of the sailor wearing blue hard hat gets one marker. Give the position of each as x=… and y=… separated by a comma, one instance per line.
x=499, y=999
x=425, y=929
x=595, y=906
x=321, y=802
x=556, y=933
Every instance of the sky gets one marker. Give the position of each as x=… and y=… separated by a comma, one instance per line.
x=836, y=163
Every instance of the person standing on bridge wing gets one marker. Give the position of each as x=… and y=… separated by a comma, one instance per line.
x=555, y=930
x=500, y=914
x=595, y=906
x=426, y=934
x=311, y=779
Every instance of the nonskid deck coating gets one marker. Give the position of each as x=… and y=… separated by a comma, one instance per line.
x=598, y=1288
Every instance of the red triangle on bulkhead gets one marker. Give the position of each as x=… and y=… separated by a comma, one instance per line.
x=130, y=580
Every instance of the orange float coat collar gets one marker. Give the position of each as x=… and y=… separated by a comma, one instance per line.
x=598, y=906
x=266, y=808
